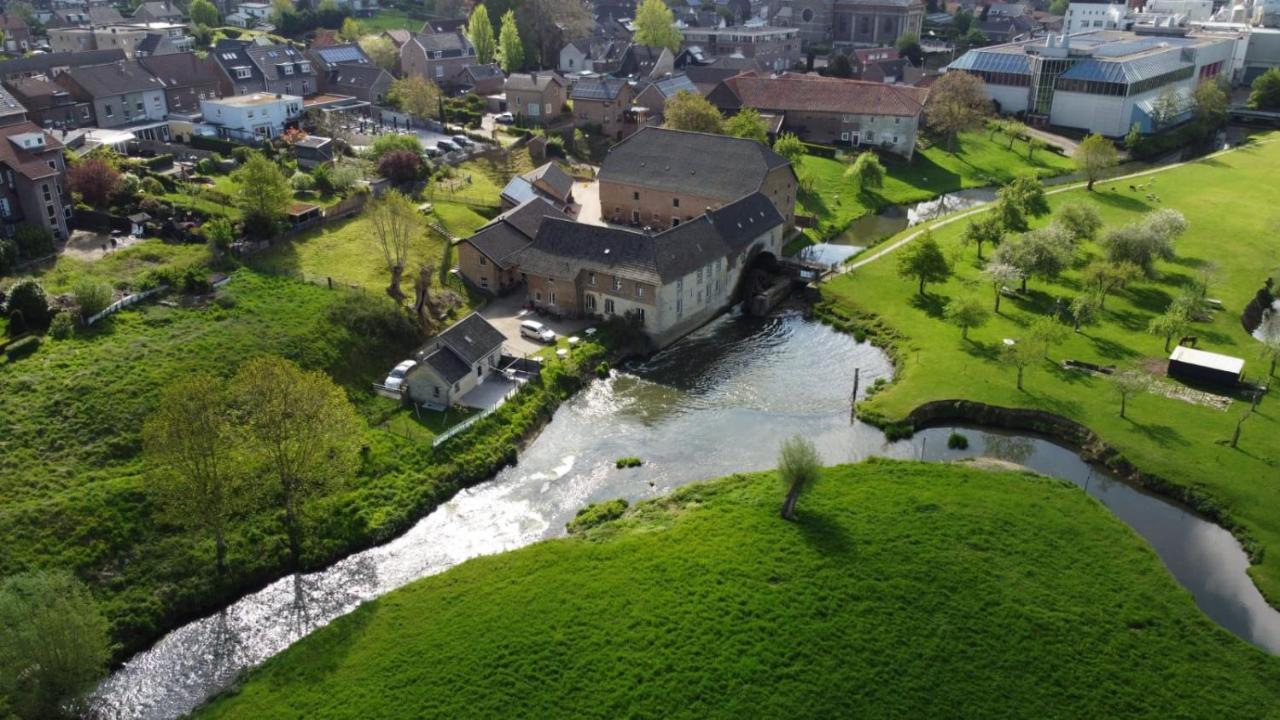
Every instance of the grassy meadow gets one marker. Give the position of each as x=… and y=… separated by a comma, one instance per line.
x=1229, y=202
x=904, y=591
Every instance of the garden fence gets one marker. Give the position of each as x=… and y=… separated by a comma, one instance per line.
x=123, y=303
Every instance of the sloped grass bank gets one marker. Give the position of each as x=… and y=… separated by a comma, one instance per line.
x=904, y=591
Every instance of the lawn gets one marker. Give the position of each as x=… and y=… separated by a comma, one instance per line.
x=1229, y=201
x=977, y=161
x=390, y=19
x=903, y=591
x=123, y=269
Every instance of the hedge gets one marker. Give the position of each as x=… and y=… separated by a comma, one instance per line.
x=824, y=151
x=218, y=145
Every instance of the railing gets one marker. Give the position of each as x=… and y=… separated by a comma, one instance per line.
x=123, y=303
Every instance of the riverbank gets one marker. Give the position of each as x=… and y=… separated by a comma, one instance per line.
x=905, y=590
x=1183, y=449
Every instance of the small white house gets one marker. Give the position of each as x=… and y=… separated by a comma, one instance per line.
x=452, y=363
x=251, y=117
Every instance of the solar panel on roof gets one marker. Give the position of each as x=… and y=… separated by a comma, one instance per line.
x=341, y=54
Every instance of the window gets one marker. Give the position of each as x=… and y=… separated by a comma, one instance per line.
x=591, y=278
x=639, y=314
x=617, y=283
x=435, y=390
x=608, y=306
x=440, y=73
x=306, y=87
x=675, y=202
x=537, y=295
x=48, y=195
x=553, y=297
x=483, y=261
x=589, y=301
x=635, y=217
x=679, y=307
x=635, y=196
x=107, y=108
x=5, y=209
x=288, y=69
x=243, y=73
x=675, y=221
x=639, y=290
x=479, y=371
x=484, y=281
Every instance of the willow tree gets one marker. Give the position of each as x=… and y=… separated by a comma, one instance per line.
x=396, y=222
x=798, y=466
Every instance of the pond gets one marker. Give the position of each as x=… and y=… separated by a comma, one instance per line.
x=715, y=403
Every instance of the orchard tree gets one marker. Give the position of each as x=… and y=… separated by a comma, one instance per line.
x=1026, y=193
x=966, y=313
x=656, y=26
x=690, y=111
x=510, y=52
x=396, y=222
x=1048, y=333
x=1146, y=241
x=1043, y=253
x=985, y=230
x=299, y=428
x=957, y=102
x=262, y=193
x=1001, y=275
x=1015, y=131
x=1172, y=322
x=922, y=260
x=1095, y=156
x=480, y=33
x=1270, y=334
x=1020, y=356
x=798, y=466
x=1128, y=384
x=747, y=124
x=867, y=171
x=1079, y=219
x=1084, y=308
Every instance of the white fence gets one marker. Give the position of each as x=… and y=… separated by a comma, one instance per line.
x=123, y=303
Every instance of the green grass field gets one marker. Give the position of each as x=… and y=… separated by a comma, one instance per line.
x=390, y=19
x=904, y=591
x=977, y=161
x=1229, y=202
x=122, y=269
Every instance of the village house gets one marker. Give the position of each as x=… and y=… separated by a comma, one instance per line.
x=643, y=62
x=452, y=363
x=536, y=96
x=158, y=12
x=121, y=93
x=440, y=57
x=17, y=35
x=486, y=258
x=483, y=79
x=248, y=118
x=49, y=104
x=251, y=68
x=547, y=181
x=661, y=178
x=31, y=160
x=187, y=79
x=777, y=48
x=346, y=70
x=602, y=102
x=52, y=64
x=831, y=111
x=654, y=95
x=666, y=284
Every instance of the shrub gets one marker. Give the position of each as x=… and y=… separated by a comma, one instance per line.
x=152, y=186
x=628, y=462
x=33, y=241
x=322, y=179
x=194, y=280
x=602, y=370
x=898, y=431
x=302, y=181
x=400, y=166
x=956, y=441
x=8, y=255
x=344, y=176
x=28, y=300
x=596, y=514
x=62, y=327
x=395, y=141
x=242, y=154
x=91, y=297
x=96, y=180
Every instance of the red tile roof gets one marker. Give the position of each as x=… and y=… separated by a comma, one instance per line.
x=30, y=164
x=814, y=93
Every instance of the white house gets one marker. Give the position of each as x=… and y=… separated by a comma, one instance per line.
x=452, y=363
x=250, y=117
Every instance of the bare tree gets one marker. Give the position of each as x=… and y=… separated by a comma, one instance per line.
x=395, y=223
x=422, y=295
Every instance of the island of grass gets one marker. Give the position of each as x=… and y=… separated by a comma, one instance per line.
x=1229, y=202
x=904, y=590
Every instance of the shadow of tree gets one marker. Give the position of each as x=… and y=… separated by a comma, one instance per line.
x=1111, y=349
x=931, y=303
x=1122, y=200
x=824, y=533
x=1151, y=299
x=1163, y=435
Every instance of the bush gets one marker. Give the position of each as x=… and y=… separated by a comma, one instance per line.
x=159, y=162
x=8, y=255
x=345, y=176
x=225, y=147
x=628, y=462
x=395, y=141
x=597, y=514
x=152, y=186
x=302, y=182
x=62, y=327
x=91, y=297
x=956, y=441
x=242, y=154
x=22, y=348
x=823, y=151
x=322, y=179
x=400, y=166
x=33, y=241
x=28, y=300
x=602, y=370
x=898, y=431
x=193, y=281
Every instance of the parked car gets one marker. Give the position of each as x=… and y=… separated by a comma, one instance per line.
x=462, y=141
x=433, y=152
x=446, y=146
x=505, y=118
x=396, y=379
x=535, y=330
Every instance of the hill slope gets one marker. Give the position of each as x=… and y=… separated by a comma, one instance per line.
x=906, y=590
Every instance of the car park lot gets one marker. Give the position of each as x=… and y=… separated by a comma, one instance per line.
x=507, y=312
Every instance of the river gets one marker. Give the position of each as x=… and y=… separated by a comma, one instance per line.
x=715, y=403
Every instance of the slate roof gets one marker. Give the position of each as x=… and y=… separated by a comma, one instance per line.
x=534, y=81
x=9, y=105
x=47, y=62
x=345, y=53
x=669, y=85
x=269, y=58
x=356, y=76
x=598, y=88
x=690, y=163
x=231, y=54
x=447, y=364
x=399, y=37
x=445, y=26
x=689, y=246
x=553, y=179
x=181, y=69
x=513, y=230
x=810, y=93
x=35, y=92
x=31, y=165
x=451, y=44
x=118, y=78
x=471, y=338
x=157, y=11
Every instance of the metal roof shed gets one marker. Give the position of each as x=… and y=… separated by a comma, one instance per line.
x=1189, y=364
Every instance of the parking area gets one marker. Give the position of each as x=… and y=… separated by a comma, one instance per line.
x=506, y=313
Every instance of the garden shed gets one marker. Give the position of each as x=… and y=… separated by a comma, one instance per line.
x=1199, y=366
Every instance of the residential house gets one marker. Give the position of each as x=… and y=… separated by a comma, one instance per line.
x=248, y=67
x=441, y=26
x=253, y=117
x=121, y=93
x=346, y=70
x=34, y=174
x=777, y=48
x=643, y=62
x=831, y=111
x=547, y=181
x=17, y=36
x=313, y=151
x=162, y=12
x=397, y=37
x=49, y=104
x=187, y=79
x=51, y=64
x=486, y=258
x=249, y=14
x=483, y=79
x=706, y=72
x=591, y=54
x=440, y=57
x=660, y=177
x=537, y=96
x=849, y=23
x=452, y=363
x=603, y=102
x=667, y=284
x=654, y=95
x=575, y=56
x=1000, y=29
x=133, y=39
x=885, y=65
x=81, y=16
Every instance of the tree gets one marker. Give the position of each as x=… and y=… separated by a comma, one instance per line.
x=790, y=147
x=957, y=102
x=1265, y=92
x=908, y=46
x=690, y=111
x=1033, y=144
x=1079, y=219
x=189, y=446
x=975, y=37
x=400, y=166
x=1020, y=355
x=544, y=24
x=1209, y=102
x=1059, y=7
x=96, y=180
x=1015, y=131
x=1026, y=193
x=1172, y=322
x=966, y=313
x=415, y=95
x=221, y=233
x=480, y=33
x=203, y=12
x=798, y=466
x=33, y=241
x=961, y=22
x=867, y=171
x=1001, y=275
x=92, y=297
x=985, y=230
x=1105, y=277
x=656, y=26
x=1048, y=333
x=381, y=51
x=923, y=261
x=27, y=307
x=282, y=12
x=1043, y=253
x=263, y=193
x=1008, y=213
x=55, y=643
x=1127, y=384
x=351, y=30
x=1269, y=333
x=1166, y=108
x=396, y=222
x=1084, y=308
x=840, y=66
x=1144, y=242
x=1094, y=157
x=1133, y=138
x=747, y=124
x=298, y=427
x=510, y=46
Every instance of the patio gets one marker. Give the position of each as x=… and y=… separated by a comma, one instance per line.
x=490, y=393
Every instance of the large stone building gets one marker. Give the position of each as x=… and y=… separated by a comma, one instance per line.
x=849, y=23
x=660, y=178
x=31, y=161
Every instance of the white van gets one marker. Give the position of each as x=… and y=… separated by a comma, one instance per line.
x=535, y=330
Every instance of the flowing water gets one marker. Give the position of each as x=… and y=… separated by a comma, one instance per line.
x=715, y=403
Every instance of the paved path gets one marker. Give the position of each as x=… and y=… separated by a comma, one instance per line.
x=881, y=252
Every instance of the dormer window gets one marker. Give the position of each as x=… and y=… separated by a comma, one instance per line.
x=243, y=73
x=288, y=69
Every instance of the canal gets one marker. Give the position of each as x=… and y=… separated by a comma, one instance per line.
x=715, y=403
